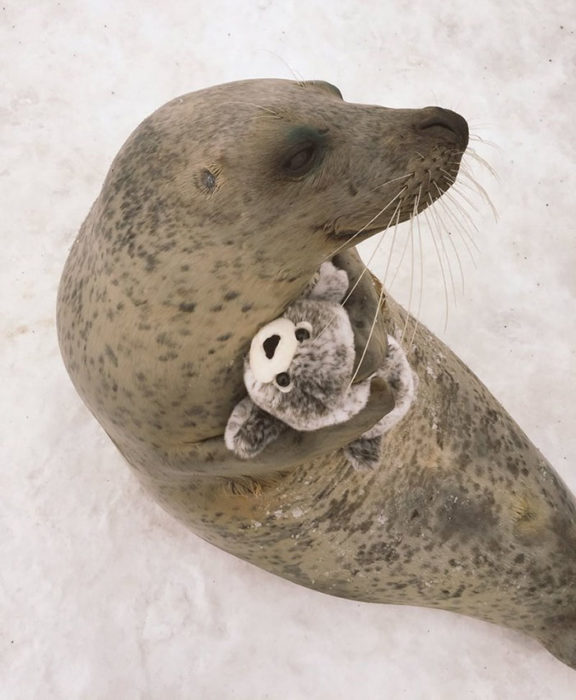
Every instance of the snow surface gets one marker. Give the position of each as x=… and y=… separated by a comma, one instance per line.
x=102, y=595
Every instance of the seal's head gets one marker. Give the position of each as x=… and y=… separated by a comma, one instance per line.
x=221, y=206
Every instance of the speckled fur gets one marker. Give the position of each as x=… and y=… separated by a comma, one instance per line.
x=197, y=225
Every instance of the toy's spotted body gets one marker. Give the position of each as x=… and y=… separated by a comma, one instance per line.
x=299, y=372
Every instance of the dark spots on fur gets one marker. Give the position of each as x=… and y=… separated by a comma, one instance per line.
x=378, y=551
x=246, y=308
x=168, y=357
x=519, y=559
x=224, y=338
x=111, y=355
x=165, y=339
x=151, y=260
x=231, y=295
x=217, y=308
x=189, y=369
x=187, y=307
x=462, y=517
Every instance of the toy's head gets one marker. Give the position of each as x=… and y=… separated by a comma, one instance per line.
x=300, y=365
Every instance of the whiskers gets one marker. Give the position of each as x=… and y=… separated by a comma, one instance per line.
x=439, y=221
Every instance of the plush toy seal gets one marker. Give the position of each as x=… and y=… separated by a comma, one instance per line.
x=299, y=373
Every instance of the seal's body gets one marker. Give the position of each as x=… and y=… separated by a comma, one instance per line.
x=222, y=205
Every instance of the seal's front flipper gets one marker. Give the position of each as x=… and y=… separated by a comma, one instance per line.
x=364, y=453
x=290, y=449
x=250, y=429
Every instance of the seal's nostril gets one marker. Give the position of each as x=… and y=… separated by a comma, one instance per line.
x=444, y=119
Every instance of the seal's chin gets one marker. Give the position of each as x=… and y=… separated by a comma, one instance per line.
x=357, y=234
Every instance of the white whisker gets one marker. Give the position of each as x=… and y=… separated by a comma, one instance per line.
x=444, y=280
x=376, y=248
x=451, y=197
x=477, y=187
x=435, y=215
x=421, y=282
x=389, y=182
x=349, y=239
x=458, y=225
x=412, y=261
x=472, y=154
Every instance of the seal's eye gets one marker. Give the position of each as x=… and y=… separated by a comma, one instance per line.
x=283, y=381
x=300, y=161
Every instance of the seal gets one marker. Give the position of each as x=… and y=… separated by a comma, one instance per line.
x=213, y=218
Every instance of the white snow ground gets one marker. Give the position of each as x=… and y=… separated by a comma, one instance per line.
x=102, y=595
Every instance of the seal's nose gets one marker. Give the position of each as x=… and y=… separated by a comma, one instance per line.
x=439, y=118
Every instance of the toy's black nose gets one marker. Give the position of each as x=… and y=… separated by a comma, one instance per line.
x=270, y=345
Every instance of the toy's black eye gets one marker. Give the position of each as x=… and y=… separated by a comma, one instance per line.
x=283, y=379
x=302, y=334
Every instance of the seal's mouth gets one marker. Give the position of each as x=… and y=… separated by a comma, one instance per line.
x=363, y=233
x=334, y=233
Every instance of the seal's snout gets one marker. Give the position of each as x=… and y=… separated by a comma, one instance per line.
x=438, y=118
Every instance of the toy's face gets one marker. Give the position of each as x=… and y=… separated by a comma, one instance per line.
x=300, y=365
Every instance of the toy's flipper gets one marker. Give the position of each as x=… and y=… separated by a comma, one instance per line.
x=362, y=308
x=250, y=429
x=402, y=381
x=364, y=453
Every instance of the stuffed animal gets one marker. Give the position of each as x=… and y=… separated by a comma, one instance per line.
x=298, y=373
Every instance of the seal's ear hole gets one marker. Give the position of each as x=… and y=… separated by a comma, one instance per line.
x=303, y=331
x=208, y=180
x=283, y=382
x=270, y=345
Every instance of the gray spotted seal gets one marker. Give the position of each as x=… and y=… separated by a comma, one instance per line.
x=214, y=217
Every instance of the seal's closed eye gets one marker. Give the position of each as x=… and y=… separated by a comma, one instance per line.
x=306, y=148
x=298, y=162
